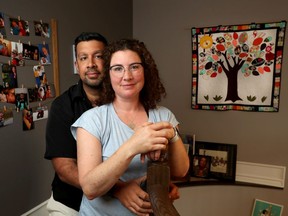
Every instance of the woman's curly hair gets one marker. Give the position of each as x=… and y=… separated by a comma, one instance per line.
x=153, y=89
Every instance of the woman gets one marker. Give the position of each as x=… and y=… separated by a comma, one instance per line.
x=113, y=139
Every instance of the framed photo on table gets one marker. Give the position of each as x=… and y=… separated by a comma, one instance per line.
x=223, y=159
x=264, y=208
x=189, y=144
x=201, y=166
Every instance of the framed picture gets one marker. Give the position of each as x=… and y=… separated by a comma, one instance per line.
x=189, y=143
x=223, y=159
x=264, y=208
x=201, y=166
x=237, y=67
x=74, y=59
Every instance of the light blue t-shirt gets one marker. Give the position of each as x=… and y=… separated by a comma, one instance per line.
x=104, y=123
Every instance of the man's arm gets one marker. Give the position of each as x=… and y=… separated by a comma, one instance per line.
x=67, y=170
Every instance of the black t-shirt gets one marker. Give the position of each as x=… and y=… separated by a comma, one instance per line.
x=64, y=111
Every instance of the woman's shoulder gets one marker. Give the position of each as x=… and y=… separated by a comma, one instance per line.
x=161, y=109
x=160, y=112
x=94, y=115
x=103, y=109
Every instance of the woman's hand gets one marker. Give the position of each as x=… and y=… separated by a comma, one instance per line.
x=150, y=137
x=168, y=132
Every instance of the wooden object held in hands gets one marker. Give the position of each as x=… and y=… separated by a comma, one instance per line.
x=158, y=178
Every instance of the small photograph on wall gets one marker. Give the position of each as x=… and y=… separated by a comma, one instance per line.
x=265, y=208
x=2, y=26
x=40, y=113
x=237, y=67
x=28, y=123
x=5, y=47
x=40, y=75
x=9, y=76
x=19, y=27
x=2, y=95
x=50, y=90
x=42, y=29
x=33, y=94
x=44, y=54
x=22, y=101
x=30, y=52
x=10, y=95
x=17, y=54
x=6, y=117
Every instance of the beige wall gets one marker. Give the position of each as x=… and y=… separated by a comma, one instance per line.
x=165, y=26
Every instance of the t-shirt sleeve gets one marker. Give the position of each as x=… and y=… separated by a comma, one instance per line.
x=164, y=114
x=90, y=121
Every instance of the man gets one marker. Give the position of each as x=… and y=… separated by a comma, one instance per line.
x=61, y=147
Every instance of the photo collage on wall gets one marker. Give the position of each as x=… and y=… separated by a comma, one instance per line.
x=34, y=58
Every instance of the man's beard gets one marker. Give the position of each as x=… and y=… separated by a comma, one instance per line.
x=94, y=84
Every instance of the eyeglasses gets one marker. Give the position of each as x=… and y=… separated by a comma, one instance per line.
x=134, y=68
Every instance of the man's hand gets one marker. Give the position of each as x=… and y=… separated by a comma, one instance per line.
x=131, y=195
x=173, y=192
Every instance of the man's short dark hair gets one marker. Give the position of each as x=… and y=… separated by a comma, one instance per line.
x=88, y=36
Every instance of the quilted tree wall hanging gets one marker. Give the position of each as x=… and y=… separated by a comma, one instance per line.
x=237, y=67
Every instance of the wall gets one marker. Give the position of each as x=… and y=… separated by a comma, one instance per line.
x=26, y=175
x=165, y=26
